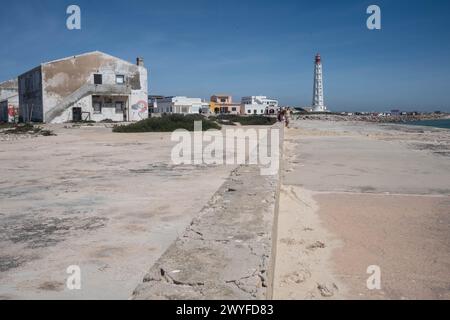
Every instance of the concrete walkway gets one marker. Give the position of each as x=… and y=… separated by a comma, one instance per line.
x=225, y=253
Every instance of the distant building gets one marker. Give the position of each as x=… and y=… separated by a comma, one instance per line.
x=8, y=89
x=223, y=104
x=92, y=86
x=259, y=105
x=153, y=103
x=9, y=101
x=182, y=105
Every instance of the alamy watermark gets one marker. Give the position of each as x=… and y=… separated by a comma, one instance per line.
x=374, y=20
x=235, y=147
x=74, y=279
x=73, y=22
x=374, y=281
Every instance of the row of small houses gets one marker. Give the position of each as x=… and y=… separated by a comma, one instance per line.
x=218, y=104
x=96, y=86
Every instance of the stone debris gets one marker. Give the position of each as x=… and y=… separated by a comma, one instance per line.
x=327, y=290
x=316, y=245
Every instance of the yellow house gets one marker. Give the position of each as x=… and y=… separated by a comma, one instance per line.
x=223, y=104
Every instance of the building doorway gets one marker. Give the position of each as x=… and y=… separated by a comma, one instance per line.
x=125, y=117
x=76, y=114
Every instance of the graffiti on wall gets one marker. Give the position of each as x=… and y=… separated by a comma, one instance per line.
x=13, y=114
x=141, y=108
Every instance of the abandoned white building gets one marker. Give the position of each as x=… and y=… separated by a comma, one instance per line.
x=92, y=86
x=9, y=101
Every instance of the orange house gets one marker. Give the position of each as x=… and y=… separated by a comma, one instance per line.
x=223, y=104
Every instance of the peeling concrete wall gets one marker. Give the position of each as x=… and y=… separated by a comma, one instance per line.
x=4, y=111
x=9, y=109
x=9, y=89
x=89, y=113
x=63, y=80
x=63, y=77
x=31, y=106
x=9, y=100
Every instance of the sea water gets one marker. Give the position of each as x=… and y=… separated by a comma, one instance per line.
x=441, y=123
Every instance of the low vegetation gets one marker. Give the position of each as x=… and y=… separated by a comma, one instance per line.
x=246, y=120
x=168, y=123
x=30, y=129
x=5, y=125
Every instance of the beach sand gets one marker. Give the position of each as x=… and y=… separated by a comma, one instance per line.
x=355, y=195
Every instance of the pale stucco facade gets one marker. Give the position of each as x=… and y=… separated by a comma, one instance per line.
x=93, y=86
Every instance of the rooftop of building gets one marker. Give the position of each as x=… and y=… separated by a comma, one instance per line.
x=9, y=84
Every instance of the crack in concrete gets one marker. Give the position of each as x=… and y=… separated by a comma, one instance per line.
x=171, y=280
x=220, y=245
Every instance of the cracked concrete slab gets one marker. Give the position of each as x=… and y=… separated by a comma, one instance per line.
x=106, y=202
x=225, y=252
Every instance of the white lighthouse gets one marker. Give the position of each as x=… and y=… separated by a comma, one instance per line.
x=318, y=101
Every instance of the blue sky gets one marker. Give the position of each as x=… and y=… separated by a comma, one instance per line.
x=251, y=47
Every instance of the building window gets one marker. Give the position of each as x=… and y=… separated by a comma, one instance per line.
x=119, y=107
x=233, y=109
x=108, y=103
x=249, y=111
x=120, y=79
x=97, y=107
x=98, y=79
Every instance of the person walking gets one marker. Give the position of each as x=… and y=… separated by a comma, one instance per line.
x=287, y=117
x=280, y=116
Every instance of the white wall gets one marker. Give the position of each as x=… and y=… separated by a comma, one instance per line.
x=250, y=109
x=87, y=107
x=260, y=100
x=61, y=79
x=180, y=105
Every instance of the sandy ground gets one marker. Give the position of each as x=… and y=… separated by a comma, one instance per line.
x=355, y=195
x=109, y=203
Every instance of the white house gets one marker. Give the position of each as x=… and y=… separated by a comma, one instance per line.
x=182, y=105
x=9, y=101
x=259, y=105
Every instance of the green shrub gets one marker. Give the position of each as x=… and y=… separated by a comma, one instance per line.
x=248, y=120
x=168, y=123
x=28, y=128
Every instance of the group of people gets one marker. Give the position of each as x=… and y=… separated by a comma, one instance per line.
x=285, y=116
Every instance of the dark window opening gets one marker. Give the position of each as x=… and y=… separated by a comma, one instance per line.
x=98, y=79
x=108, y=103
x=97, y=107
x=119, y=107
